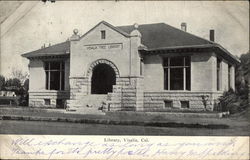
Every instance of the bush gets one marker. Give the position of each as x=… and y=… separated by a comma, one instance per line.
x=233, y=101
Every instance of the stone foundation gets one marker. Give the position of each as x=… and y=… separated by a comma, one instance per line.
x=127, y=95
x=196, y=100
x=38, y=98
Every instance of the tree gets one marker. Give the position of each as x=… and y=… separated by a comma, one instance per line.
x=2, y=82
x=243, y=71
x=19, y=74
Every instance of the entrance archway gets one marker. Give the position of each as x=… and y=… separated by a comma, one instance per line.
x=103, y=78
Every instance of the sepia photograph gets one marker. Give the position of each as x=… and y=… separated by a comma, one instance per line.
x=122, y=69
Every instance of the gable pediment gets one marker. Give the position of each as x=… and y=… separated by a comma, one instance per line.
x=110, y=31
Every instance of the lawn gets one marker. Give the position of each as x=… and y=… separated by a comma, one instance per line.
x=238, y=123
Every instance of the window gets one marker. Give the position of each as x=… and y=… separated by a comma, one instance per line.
x=218, y=74
x=168, y=104
x=60, y=103
x=184, y=104
x=177, y=73
x=54, y=72
x=229, y=76
x=103, y=34
x=47, y=101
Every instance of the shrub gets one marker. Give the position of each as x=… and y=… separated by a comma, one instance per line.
x=233, y=101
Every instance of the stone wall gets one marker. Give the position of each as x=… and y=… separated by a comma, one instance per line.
x=37, y=99
x=197, y=100
x=78, y=90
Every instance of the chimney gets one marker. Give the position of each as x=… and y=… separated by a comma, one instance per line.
x=184, y=26
x=211, y=35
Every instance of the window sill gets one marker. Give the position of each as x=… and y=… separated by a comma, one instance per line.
x=49, y=91
x=177, y=90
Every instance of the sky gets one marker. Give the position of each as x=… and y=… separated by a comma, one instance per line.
x=53, y=23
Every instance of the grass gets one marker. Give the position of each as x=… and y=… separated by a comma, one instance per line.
x=238, y=123
x=27, y=111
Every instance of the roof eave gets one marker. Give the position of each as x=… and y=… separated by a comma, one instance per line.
x=205, y=46
x=237, y=61
x=181, y=47
x=47, y=55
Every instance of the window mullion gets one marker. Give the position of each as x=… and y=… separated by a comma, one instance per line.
x=60, y=72
x=184, y=75
x=49, y=77
x=168, y=74
x=184, y=78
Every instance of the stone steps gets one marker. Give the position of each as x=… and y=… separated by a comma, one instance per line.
x=89, y=104
x=86, y=110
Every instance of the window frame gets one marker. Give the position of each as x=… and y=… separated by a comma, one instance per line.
x=48, y=71
x=47, y=101
x=168, y=102
x=167, y=73
x=185, y=103
x=103, y=34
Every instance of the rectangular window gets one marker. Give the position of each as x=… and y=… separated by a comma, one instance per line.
x=177, y=73
x=47, y=101
x=176, y=79
x=218, y=74
x=103, y=34
x=54, y=72
x=184, y=104
x=168, y=104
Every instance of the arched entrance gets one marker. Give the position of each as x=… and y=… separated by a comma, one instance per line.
x=103, y=78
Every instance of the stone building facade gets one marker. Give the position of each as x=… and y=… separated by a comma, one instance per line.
x=145, y=67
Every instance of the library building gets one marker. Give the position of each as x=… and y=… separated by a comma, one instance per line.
x=139, y=67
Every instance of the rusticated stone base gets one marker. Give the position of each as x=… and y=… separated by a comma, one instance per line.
x=127, y=95
x=196, y=100
x=38, y=98
x=78, y=90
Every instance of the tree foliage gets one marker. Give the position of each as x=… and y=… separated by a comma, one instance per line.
x=19, y=74
x=243, y=71
x=2, y=82
x=236, y=101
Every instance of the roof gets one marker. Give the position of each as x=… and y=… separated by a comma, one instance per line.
x=161, y=35
x=54, y=50
x=155, y=36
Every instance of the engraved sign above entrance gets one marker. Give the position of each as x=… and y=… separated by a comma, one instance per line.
x=110, y=46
